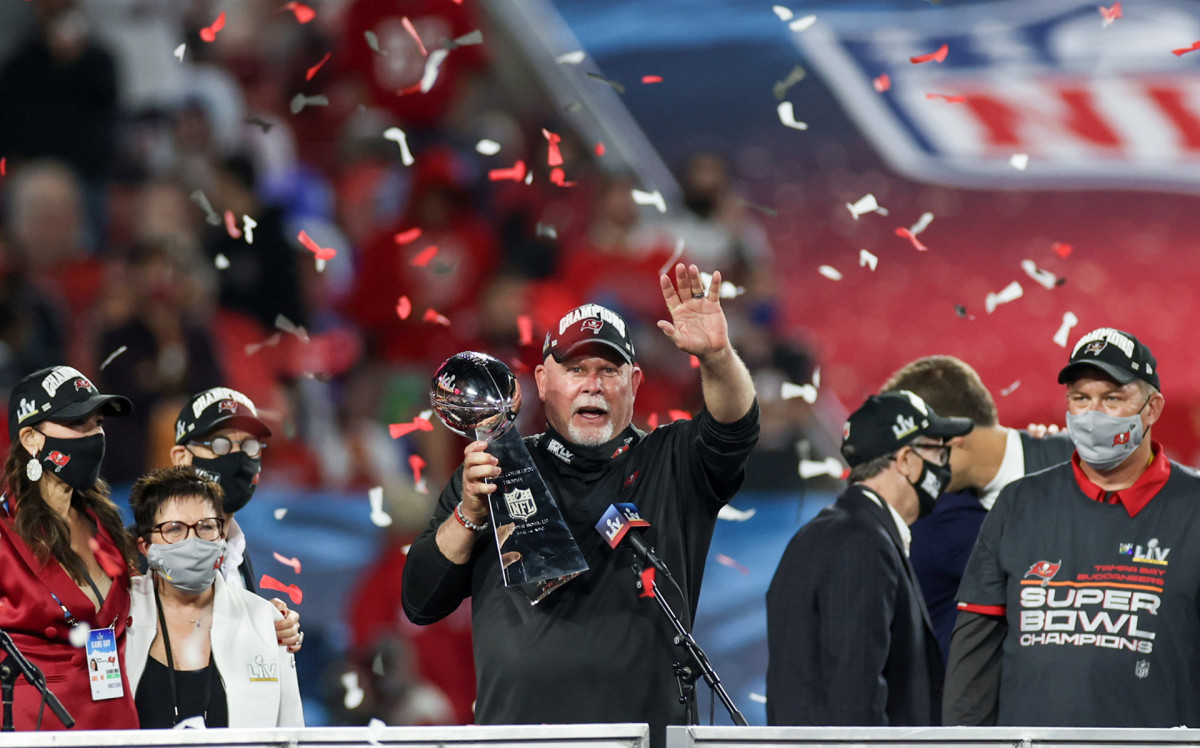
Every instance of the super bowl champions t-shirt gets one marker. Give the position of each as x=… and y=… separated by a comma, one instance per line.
x=1103, y=609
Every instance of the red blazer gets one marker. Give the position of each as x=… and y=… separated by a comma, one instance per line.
x=36, y=624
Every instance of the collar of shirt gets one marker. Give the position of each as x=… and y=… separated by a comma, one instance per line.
x=1012, y=466
x=1136, y=497
x=905, y=533
x=235, y=551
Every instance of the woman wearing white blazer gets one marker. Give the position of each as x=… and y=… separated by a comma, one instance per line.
x=198, y=647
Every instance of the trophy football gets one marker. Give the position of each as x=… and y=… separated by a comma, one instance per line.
x=474, y=395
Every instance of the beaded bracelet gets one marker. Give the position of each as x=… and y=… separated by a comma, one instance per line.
x=462, y=520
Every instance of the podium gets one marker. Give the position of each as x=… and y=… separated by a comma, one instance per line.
x=724, y=736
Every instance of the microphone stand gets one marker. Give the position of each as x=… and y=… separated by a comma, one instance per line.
x=684, y=639
x=15, y=665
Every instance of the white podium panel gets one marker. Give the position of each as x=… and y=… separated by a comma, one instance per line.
x=927, y=737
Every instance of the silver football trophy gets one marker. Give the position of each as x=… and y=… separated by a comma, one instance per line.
x=475, y=394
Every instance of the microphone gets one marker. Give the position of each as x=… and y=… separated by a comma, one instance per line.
x=615, y=525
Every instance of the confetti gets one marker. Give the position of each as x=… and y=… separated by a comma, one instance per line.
x=281, y=512
x=546, y=230
x=397, y=430
x=283, y=324
x=1043, y=278
x=379, y=518
x=213, y=218
x=802, y=24
x=1062, y=249
x=292, y=591
x=1184, y=50
x=787, y=115
x=921, y=224
x=179, y=52
x=908, y=234
x=416, y=463
x=321, y=253
x=397, y=136
x=1010, y=389
x=299, y=101
x=938, y=56
x=261, y=123
x=3, y=166
x=209, y=34
x=616, y=86
x=248, y=225
x=760, y=208
x=407, y=236
x=571, y=58
x=221, y=261
x=785, y=14
x=558, y=178
x=303, y=13
x=1108, y=15
x=599, y=149
x=679, y=415
x=806, y=392
x=729, y=513
x=830, y=272
x=1069, y=321
x=882, y=83
x=553, y=153
x=674, y=256
x=78, y=634
x=373, y=42
x=112, y=356
x=646, y=582
x=433, y=64
x=694, y=361
x=432, y=315
x=1019, y=161
x=724, y=560
x=813, y=468
x=758, y=698
x=354, y=694
x=524, y=330
x=403, y=307
x=795, y=76
x=515, y=174
x=292, y=562
x=652, y=79
x=469, y=39
x=487, y=147
x=865, y=204
x=271, y=342
x=650, y=198
x=954, y=99
x=1011, y=292
x=412, y=31
x=313, y=70
x=867, y=260
x=231, y=226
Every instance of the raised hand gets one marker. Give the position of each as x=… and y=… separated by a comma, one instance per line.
x=697, y=323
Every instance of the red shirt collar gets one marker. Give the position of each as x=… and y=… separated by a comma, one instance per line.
x=1136, y=497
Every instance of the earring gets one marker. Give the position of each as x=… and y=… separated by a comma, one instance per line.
x=33, y=470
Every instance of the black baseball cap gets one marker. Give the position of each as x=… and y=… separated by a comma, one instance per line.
x=887, y=422
x=1116, y=353
x=583, y=325
x=215, y=409
x=59, y=393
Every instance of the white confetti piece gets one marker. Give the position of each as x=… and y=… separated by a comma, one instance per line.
x=248, y=226
x=1043, y=278
x=816, y=378
x=487, y=147
x=179, y=52
x=529, y=177
x=281, y=512
x=1068, y=322
x=354, y=693
x=806, y=392
x=379, y=518
x=866, y=259
x=405, y=548
x=375, y=730
x=758, y=698
x=1019, y=161
x=650, y=198
x=221, y=261
x=284, y=324
x=802, y=24
x=921, y=224
x=397, y=136
x=1011, y=292
x=469, y=39
x=571, y=58
x=829, y=466
x=547, y=231
x=865, y=204
x=433, y=64
x=785, y=14
x=787, y=115
x=830, y=272
x=730, y=291
x=1010, y=389
x=730, y=514
x=113, y=355
x=674, y=256
x=78, y=635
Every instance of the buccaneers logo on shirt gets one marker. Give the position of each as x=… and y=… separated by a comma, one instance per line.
x=1044, y=570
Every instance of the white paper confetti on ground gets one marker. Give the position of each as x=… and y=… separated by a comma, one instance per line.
x=865, y=204
x=866, y=259
x=829, y=466
x=830, y=272
x=571, y=58
x=354, y=694
x=1019, y=161
x=650, y=198
x=1011, y=292
x=1010, y=389
x=787, y=115
x=1069, y=321
x=379, y=518
x=396, y=135
x=806, y=392
x=1043, y=278
x=487, y=147
x=730, y=514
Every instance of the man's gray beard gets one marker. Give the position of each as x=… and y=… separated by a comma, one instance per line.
x=575, y=433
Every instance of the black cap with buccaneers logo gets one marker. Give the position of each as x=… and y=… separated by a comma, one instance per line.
x=216, y=409
x=887, y=422
x=1116, y=353
x=590, y=323
x=59, y=393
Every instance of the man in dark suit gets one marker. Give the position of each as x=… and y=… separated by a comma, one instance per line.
x=849, y=638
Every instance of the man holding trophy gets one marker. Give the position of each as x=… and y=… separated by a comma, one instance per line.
x=571, y=638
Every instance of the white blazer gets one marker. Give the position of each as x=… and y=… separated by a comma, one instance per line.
x=261, y=687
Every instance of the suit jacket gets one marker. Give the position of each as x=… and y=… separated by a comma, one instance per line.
x=849, y=638
x=259, y=675
x=39, y=628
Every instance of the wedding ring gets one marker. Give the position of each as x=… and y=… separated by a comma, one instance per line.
x=698, y=296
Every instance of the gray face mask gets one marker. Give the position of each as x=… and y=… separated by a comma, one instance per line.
x=189, y=565
x=1105, y=441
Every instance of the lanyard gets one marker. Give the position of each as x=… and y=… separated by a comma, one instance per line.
x=162, y=623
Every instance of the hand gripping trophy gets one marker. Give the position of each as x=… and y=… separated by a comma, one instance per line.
x=475, y=394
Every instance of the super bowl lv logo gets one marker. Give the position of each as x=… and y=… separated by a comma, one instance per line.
x=520, y=503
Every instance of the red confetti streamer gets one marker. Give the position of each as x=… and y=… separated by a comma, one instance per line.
x=599, y=149
x=651, y=79
x=695, y=361
x=845, y=473
x=1111, y=14
x=903, y=232
x=432, y=315
x=3, y=166
x=732, y=563
x=939, y=55
x=652, y=421
x=231, y=226
x=271, y=583
x=416, y=463
x=516, y=173
x=525, y=326
x=679, y=415
x=292, y=562
x=553, y=154
x=407, y=237
x=558, y=177
x=209, y=34
x=882, y=83
x=647, y=576
x=398, y=430
x=1184, y=50
x=303, y=13
x=412, y=31
x=403, y=307
x=111, y=565
x=322, y=253
x=424, y=256
x=1062, y=249
x=956, y=99
x=313, y=70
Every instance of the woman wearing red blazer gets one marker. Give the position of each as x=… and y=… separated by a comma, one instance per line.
x=65, y=555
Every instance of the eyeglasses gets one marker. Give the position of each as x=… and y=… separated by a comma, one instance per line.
x=943, y=451
x=211, y=528
x=222, y=446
